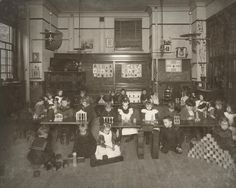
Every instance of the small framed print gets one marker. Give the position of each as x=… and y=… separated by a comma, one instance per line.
x=35, y=57
x=109, y=42
x=35, y=70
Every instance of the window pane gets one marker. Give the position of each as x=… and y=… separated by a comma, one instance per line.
x=6, y=45
x=128, y=34
x=4, y=32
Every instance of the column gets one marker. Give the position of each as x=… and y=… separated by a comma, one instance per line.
x=199, y=55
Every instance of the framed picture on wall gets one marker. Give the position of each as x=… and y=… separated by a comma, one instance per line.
x=173, y=65
x=35, y=70
x=109, y=43
x=87, y=44
x=35, y=56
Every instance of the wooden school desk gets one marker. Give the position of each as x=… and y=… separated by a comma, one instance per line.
x=147, y=126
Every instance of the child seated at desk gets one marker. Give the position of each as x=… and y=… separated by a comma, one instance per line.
x=154, y=98
x=144, y=96
x=65, y=109
x=126, y=113
x=201, y=104
x=122, y=96
x=219, y=111
x=223, y=137
x=107, y=144
x=108, y=111
x=187, y=112
x=231, y=115
x=39, y=110
x=150, y=114
x=169, y=110
x=170, y=137
x=85, y=144
x=112, y=96
x=87, y=107
x=59, y=96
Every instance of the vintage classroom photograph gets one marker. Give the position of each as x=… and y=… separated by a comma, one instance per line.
x=117, y=93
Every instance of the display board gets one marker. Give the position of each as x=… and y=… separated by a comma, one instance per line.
x=103, y=70
x=174, y=70
x=106, y=72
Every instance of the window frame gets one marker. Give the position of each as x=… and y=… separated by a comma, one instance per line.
x=140, y=48
x=6, y=47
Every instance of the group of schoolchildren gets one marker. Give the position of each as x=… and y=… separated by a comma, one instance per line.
x=115, y=107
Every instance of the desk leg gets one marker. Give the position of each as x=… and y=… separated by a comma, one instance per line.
x=140, y=144
x=155, y=145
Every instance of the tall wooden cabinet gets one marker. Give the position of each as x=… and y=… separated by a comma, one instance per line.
x=221, y=31
x=71, y=82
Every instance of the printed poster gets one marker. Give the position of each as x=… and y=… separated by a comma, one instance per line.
x=102, y=70
x=131, y=70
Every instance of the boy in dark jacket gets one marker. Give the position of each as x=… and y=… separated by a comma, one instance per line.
x=85, y=144
x=41, y=151
x=170, y=137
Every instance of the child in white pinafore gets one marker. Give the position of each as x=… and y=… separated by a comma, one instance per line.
x=107, y=144
x=126, y=113
x=150, y=113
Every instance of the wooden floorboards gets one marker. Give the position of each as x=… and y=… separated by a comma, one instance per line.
x=169, y=171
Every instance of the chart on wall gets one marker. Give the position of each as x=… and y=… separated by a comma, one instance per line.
x=131, y=70
x=173, y=65
x=102, y=70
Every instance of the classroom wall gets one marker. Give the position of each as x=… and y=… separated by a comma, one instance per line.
x=87, y=27
x=93, y=30
x=176, y=21
x=38, y=20
x=216, y=6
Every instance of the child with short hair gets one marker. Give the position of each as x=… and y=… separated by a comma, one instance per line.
x=154, y=98
x=112, y=96
x=169, y=110
x=223, y=136
x=50, y=98
x=184, y=98
x=107, y=144
x=150, y=114
x=170, y=137
x=219, y=111
x=87, y=107
x=85, y=144
x=66, y=110
x=122, y=96
x=59, y=95
x=126, y=113
x=187, y=112
x=107, y=112
x=41, y=152
x=144, y=96
x=211, y=110
x=39, y=110
x=231, y=115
